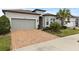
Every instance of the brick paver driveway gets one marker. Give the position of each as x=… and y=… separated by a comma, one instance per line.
x=23, y=38
x=69, y=43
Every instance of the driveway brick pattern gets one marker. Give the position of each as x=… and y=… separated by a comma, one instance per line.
x=23, y=38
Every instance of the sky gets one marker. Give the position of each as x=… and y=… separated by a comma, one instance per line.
x=74, y=11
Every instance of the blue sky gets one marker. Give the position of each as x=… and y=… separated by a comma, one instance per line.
x=74, y=11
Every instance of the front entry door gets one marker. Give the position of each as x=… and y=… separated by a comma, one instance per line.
x=40, y=23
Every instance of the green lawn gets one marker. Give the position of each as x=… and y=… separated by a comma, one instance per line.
x=65, y=32
x=5, y=42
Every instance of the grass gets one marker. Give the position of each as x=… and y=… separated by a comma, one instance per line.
x=5, y=42
x=65, y=32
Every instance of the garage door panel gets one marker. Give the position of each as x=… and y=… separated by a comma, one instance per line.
x=23, y=24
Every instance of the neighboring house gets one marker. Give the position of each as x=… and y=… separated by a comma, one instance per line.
x=73, y=22
x=27, y=19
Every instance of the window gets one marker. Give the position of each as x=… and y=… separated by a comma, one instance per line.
x=66, y=22
x=47, y=23
x=53, y=20
x=76, y=22
x=57, y=18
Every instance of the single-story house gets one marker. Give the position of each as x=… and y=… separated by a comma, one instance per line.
x=27, y=19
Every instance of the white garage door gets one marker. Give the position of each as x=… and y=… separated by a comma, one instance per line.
x=18, y=24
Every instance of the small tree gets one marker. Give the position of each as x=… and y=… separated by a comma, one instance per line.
x=55, y=27
x=4, y=25
x=63, y=14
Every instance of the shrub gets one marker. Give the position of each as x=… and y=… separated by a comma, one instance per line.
x=55, y=27
x=4, y=25
x=46, y=28
x=74, y=28
x=64, y=27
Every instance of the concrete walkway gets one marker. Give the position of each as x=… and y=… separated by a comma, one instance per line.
x=68, y=43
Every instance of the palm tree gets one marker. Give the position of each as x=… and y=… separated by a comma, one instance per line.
x=63, y=14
